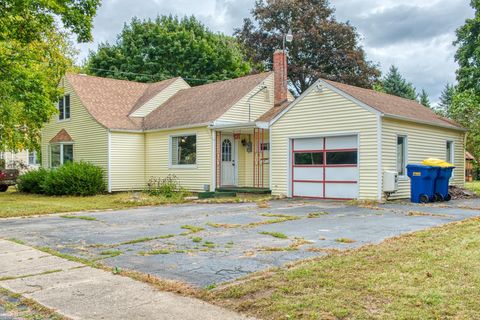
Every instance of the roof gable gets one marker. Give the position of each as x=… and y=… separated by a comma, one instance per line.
x=110, y=101
x=379, y=103
x=202, y=104
x=61, y=136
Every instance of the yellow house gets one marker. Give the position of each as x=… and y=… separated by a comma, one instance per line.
x=334, y=141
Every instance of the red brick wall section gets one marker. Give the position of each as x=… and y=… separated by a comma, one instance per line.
x=280, y=70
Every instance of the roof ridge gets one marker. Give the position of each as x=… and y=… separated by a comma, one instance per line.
x=230, y=80
x=105, y=78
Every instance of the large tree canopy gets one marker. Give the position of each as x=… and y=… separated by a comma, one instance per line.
x=468, y=53
x=322, y=46
x=34, y=54
x=166, y=47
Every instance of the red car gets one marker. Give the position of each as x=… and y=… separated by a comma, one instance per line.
x=8, y=177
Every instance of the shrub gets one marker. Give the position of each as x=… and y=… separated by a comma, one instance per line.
x=167, y=187
x=75, y=178
x=32, y=181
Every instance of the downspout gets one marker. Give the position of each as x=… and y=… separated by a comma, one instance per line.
x=263, y=87
x=109, y=161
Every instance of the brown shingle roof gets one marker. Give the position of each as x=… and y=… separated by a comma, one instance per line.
x=273, y=112
x=61, y=136
x=110, y=101
x=394, y=106
x=202, y=104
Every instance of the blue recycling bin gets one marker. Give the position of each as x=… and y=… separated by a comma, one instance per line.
x=422, y=182
x=441, y=183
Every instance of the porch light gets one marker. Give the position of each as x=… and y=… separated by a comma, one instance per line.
x=289, y=36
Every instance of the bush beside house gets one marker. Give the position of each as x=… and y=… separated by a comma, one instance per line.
x=78, y=179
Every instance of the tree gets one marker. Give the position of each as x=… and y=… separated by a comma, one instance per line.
x=149, y=51
x=424, y=99
x=465, y=109
x=34, y=54
x=446, y=99
x=394, y=83
x=468, y=54
x=322, y=47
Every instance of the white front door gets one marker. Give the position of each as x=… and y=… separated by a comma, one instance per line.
x=228, y=160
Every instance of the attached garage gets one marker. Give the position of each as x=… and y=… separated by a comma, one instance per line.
x=336, y=141
x=325, y=167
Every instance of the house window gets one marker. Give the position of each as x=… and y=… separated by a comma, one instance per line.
x=265, y=146
x=184, y=150
x=60, y=154
x=32, y=158
x=401, y=155
x=64, y=108
x=450, y=152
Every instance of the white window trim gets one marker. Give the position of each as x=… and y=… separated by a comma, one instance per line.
x=452, y=151
x=170, y=155
x=70, y=117
x=61, y=144
x=405, y=148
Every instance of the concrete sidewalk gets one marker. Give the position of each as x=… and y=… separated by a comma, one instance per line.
x=80, y=292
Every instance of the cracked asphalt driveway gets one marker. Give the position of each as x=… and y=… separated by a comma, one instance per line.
x=205, y=244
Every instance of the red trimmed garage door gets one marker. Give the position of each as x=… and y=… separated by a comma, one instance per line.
x=325, y=168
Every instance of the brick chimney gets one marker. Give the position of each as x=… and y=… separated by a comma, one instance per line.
x=280, y=70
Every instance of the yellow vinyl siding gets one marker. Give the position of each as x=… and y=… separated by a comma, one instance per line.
x=245, y=164
x=423, y=141
x=160, y=98
x=127, y=161
x=90, y=138
x=260, y=104
x=158, y=154
x=322, y=114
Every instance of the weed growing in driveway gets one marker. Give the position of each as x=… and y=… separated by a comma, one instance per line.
x=312, y=215
x=192, y=229
x=345, y=240
x=296, y=244
x=196, y=239
x=111, y=253
x=18, y=241
x=275, y=234
x=79, y=217
x=139, y=240
x=30, y=275
x=426, y=214
x=154, y=252
x=209, y=244
x=278, y=219
x=223, y=225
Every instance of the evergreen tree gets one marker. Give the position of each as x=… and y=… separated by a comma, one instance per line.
x=424, y=99
x=446, y=99
x=395, y=84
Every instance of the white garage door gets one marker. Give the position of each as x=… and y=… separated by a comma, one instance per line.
x=325, y=168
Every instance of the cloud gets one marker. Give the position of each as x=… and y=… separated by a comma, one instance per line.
x=415, y=35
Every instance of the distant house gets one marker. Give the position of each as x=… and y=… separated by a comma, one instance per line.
x=334, y=141
x=469, y=161
x=28, y=158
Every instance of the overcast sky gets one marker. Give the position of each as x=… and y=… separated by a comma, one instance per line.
x=415, y=35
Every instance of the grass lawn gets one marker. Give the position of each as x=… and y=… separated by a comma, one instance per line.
x=473, y=186
x=16, y=204
x=432, y=274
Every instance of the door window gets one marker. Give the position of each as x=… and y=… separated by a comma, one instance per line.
x=227, y=150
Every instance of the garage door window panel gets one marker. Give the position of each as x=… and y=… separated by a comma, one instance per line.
x=342, y=158
x=308, y=158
